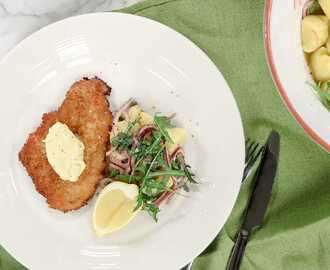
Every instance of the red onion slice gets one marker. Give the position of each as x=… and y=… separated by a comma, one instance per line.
x=145, y=130
x=135, y=142
x=178, y=151
x=305, y=6
x=116, y=161
x=117, y=167
x=131, y=162
x=167, y=157
x=123, y=110
x=113, y=154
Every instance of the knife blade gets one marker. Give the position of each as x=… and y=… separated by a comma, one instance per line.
x=264, y=179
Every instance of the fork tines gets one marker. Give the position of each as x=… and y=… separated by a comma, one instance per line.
x=252, y=152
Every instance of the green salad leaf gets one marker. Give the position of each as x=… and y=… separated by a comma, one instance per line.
x=152, y=209
x=163, y=123
x=323, y=94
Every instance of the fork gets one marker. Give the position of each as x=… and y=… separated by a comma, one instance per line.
x=252, y=152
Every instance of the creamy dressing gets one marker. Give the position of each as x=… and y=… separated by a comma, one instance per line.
x=65, y=152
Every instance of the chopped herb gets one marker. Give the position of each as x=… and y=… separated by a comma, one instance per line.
x=122, y=141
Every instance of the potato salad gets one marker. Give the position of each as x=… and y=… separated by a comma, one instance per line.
x=146, y=151
x=315, y=42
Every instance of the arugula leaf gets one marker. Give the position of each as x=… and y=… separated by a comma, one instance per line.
x=152, y=162
x=155, y=145
x=128, y=178
x=176, y=165
x=152, y=209
x=142, y=168
x=139, y=202
x=162, y=122
x=323, y=94
x=176, y=173
x=189, y=174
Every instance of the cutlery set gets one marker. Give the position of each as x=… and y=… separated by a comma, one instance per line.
x=262, y=190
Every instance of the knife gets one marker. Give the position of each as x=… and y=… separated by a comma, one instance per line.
x=259, y=200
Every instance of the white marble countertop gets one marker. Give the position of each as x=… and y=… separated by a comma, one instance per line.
x=20, y=18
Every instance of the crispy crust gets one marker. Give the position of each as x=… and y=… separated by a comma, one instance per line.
x=85, y=111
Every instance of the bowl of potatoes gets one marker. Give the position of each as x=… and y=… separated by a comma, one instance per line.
x=297, y=44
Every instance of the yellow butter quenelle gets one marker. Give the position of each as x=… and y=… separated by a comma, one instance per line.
x=114, y=207
x=65, y=152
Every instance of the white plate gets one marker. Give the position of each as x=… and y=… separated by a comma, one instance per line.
x=159, y=67
x=289, y=69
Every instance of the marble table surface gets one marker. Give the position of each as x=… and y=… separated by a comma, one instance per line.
x=20, y=18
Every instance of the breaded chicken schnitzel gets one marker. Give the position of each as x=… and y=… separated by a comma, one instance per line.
x=85, y=111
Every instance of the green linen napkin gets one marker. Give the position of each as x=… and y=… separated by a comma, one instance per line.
x=295, y=233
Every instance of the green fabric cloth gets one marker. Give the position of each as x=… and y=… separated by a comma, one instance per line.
x=295, y=233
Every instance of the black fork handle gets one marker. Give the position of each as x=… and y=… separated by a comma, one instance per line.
x=238, y=250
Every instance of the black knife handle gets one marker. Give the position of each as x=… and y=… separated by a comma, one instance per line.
x=238, y=250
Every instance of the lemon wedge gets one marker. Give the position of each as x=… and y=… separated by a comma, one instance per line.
x=114, y=207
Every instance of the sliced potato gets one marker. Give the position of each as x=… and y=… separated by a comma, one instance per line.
x=146, y=119
x=325, y=5
x=121, y=126
x=320, y=64
x=178, y=136
x=314, y=32
x=134, y=113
